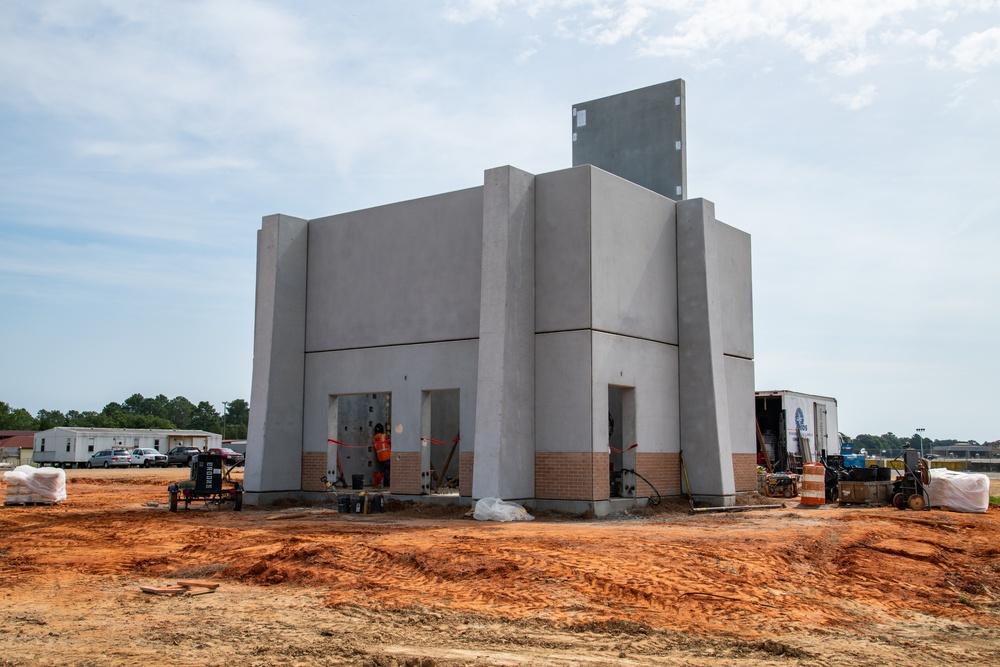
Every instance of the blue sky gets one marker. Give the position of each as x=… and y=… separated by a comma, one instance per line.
x=858, y=143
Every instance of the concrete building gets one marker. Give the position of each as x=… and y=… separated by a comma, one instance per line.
x=551, y=334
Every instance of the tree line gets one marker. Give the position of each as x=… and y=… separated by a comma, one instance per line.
x=138, y=411
x=893, y=445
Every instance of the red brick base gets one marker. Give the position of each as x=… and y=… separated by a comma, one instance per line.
x=313, y=471
x=465, y=461
x=571, y=475
x=662, y=470
x=405, y=473
x=745, y=472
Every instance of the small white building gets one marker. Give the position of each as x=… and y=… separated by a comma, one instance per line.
x=72, y=446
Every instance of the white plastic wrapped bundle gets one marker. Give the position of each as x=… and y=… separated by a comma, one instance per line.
x=959, y=491
x=494, y=509
x=34, y=485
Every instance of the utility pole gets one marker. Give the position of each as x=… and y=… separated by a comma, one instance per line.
x=920, y=434
x=225, y=408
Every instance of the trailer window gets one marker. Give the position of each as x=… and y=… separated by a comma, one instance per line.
x=67, y=447
x=90, y=448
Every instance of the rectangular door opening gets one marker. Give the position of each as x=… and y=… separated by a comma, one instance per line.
x=352, y=422
x=621, y=441
x=440, y=439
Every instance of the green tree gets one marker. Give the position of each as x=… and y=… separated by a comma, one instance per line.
x=869, y=443
x=206, y=418
x=179, y=411
x=156, y=407
x=237, y=418
x=16, y=419
x=89, y=419
x=50, y=419
x=147, y=421
x=133, y=404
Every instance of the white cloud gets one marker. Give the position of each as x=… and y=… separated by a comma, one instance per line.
x=162, y=157
x=859, y=99
x=978, y=50
x=929, y=39
x=853, y=64
x=845, y=37
x=530, y=48
x=468, y=11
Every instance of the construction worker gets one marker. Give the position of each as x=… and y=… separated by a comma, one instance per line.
x=383, y=451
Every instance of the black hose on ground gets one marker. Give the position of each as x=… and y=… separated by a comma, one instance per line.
x=651, y=501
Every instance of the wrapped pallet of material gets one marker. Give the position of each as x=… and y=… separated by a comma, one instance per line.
x=17, y=491
x=34, y=485
x=959, y=491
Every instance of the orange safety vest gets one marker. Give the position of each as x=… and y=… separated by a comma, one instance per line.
x=383, y=448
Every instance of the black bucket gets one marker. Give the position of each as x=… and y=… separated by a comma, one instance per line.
x=376, y=504
x=357, y=482
x=358, y=504
x=865, y=474
x=344, y=504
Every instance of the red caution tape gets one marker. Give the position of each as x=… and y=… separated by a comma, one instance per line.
x=344, y=444
x=439, y=442
x=622, y=451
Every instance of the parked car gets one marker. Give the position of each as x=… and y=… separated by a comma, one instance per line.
x=229, y=456
x=181, y=456
x=147, y=458
x=110, y=457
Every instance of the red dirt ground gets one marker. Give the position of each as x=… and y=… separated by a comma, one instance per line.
x=429, y=586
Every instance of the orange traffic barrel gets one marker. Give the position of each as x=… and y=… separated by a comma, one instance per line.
x=812, y=490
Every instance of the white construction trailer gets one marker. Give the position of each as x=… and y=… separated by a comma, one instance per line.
x=796, y=428
x=72, y=446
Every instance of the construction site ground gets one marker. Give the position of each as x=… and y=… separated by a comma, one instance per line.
x=429, y=586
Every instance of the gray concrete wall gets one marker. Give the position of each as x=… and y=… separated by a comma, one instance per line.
x=651, y=368
x=402, y=273
x=638, y=135
x=605, y=258
x=564, y=392
x=735, y=290
x=740, y=401
x=633, y=259
x=505, y=398
x=274, y=439
x=704, y=408
x=562, y=250
x=736, y=296
x=405, y=371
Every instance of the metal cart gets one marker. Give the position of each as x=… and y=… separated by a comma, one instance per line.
x=210, y=482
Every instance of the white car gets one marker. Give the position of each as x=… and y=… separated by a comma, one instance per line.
x=147, y=458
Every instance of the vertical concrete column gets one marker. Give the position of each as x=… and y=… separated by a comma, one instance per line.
x=504, y=464
x=274, y=438
x=704, y=407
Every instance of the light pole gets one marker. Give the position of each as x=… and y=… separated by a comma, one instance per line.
x=920, y=434
x=225, y=408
